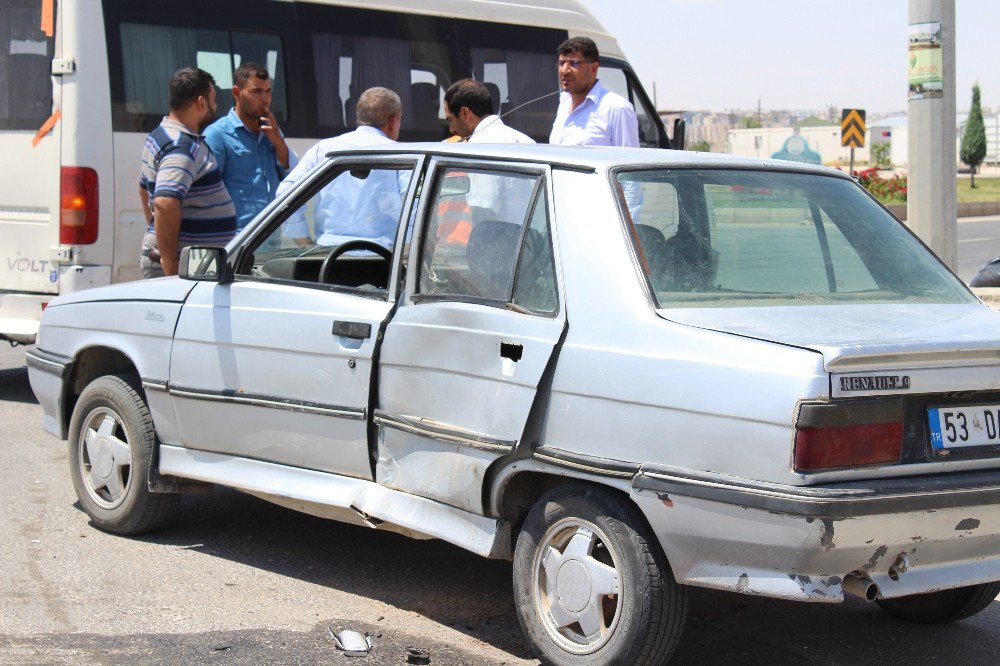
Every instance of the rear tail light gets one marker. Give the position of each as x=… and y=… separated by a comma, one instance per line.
x=837, y=436
x=78, y=206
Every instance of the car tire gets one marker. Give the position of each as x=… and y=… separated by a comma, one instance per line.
x=944, y=606
x=111, y=440
x=612, y=577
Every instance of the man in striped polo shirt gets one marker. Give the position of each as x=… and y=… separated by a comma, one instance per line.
x=180, y=185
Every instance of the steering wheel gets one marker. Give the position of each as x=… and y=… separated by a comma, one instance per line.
x=350, y=246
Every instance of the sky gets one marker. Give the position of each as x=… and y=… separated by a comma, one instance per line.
x=720, y=55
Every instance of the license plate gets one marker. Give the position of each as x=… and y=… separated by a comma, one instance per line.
x=955, y=427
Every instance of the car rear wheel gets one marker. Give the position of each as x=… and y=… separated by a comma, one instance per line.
x=592, y=585
x=943, y=606
x=110, y=449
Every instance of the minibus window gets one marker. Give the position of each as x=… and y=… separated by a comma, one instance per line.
x=516, y=78
x=25, y=61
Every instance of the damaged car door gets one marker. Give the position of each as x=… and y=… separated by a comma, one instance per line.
x=276, y=365
x=465, y=352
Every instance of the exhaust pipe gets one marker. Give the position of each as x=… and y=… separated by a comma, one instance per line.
x=860, y=586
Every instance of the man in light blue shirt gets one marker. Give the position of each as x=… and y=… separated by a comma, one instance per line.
x=351, y=208
x=248, y=145
x=589, y=113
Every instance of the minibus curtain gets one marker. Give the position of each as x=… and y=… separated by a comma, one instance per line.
x=382, y=62
x=326, y=55
x=151, y=55
x=529, y=75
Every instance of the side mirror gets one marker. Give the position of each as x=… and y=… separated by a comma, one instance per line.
x=204, y=263
x=453, y=185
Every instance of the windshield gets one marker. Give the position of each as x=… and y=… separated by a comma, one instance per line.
x=727, y=238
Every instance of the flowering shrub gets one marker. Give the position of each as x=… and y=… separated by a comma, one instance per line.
x=886, y=190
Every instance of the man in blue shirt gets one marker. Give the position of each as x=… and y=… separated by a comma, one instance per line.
x=250, y=149
x=351, y=208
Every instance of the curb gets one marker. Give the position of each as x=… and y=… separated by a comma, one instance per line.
x=965, y=209
x=988, y=295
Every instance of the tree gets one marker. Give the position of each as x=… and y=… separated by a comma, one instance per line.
x=750, y=122
x=701, y=147
x=974, y=137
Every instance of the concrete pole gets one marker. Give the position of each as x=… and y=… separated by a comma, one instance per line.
x=932, y=200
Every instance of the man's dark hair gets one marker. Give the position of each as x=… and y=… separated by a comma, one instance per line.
x=247, y=71
x=584, y=45
x=187, y=85
x=472, y=94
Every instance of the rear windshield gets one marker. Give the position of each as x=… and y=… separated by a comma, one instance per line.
x=721, y=238
x=25, y=66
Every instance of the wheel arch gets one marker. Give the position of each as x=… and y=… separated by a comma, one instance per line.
x=517, y=487
x=89, y=364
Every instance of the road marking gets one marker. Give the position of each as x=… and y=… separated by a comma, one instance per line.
x=973, y=240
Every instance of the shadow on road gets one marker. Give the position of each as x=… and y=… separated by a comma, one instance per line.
x=14, y=386
x=435, y=579
x=473, y=595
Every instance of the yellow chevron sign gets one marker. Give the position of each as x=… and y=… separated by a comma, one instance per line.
x=852, y=128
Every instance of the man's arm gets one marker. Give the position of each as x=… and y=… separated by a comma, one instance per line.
x=273, y=134
x=168, y=226
x=144, y=201
x=624, y=127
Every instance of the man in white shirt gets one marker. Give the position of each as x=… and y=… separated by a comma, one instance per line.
x=589, y=113
x=468, y=107
x=348, y=207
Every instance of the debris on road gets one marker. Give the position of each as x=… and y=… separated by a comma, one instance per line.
x=352, y=643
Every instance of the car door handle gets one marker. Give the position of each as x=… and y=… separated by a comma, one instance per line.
x=357, y=330
x=511, y=351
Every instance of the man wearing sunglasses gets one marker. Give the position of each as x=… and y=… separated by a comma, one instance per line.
x=589, y=113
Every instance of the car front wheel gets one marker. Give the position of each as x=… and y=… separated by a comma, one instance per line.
x=592, y=585
x=943, y=606
x=110, y=449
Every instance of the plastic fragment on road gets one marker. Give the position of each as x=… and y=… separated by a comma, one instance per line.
x=352, y=643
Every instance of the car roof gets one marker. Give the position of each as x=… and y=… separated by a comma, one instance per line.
x=592, y=158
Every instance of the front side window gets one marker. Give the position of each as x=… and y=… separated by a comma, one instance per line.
x=25, y=66
x=343, y=234
x=616, y=79
x=716, y=238
x=489, y=239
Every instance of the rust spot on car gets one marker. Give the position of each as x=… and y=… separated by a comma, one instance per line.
x=665, y=498
x=826, y=535
x=876, y=556
x=967, y=524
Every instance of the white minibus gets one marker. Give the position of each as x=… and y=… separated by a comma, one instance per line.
x=83, y=81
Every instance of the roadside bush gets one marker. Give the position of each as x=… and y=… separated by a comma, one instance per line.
x=886, y=190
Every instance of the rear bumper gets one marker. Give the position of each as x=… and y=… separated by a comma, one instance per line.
x=20, y=314
x=909, y=536
x=47, y=374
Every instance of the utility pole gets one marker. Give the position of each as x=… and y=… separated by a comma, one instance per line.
x=932, y=199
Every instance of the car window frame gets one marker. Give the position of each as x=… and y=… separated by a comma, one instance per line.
x=435, y=171
x=303, y=191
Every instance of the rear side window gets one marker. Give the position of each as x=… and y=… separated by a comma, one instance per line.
x=26, y=54
x=716, y=238
x=488, y=239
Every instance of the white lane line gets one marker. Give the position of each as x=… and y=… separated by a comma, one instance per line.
x=973, y=240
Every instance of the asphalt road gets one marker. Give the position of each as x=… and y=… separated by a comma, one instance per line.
x=978, y=242
x=240, y=581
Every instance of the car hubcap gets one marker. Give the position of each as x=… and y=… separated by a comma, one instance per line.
x=577, y=585
x=105, y=458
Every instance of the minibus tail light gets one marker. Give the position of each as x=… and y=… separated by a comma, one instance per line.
x=78, y=206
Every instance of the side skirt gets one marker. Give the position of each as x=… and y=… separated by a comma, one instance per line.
x=310, y=491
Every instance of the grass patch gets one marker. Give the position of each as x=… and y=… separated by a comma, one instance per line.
x=987, y=189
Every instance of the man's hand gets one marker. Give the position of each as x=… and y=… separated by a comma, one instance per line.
x=167, y=223
x=269, y=126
